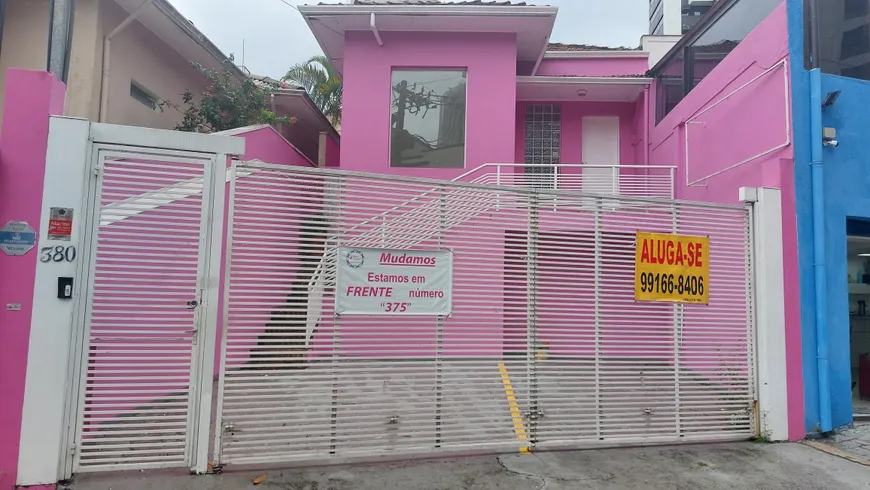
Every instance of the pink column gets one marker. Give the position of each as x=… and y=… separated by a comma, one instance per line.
x=31, y=98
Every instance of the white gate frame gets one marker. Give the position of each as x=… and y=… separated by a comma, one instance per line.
x=57, y=355
x=769, y=312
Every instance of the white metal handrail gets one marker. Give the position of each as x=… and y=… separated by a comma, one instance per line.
x=626, y=180
x=407, y=224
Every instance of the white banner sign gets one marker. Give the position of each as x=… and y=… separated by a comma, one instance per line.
x=380, y=281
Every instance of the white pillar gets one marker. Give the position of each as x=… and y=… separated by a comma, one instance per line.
x=51, y=327
x=769, y=304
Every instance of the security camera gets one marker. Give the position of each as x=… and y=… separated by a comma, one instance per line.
x=833, y=143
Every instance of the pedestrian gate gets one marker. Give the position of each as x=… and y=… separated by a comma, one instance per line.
x=147, y=338
x=545, y=346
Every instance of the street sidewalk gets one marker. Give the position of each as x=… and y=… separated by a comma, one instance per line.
x=732, y=466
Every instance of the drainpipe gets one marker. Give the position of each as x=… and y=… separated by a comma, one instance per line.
x=2, y=17
x=107, y=48
x=647, y=122
x=374, y=26
x=818, y=183
x=817, y=177
x=60, y=32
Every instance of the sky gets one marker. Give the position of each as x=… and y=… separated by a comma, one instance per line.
x=275, y=36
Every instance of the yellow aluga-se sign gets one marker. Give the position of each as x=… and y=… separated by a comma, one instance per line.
x=672, y=268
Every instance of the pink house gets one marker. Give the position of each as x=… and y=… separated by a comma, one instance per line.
x=475, y=90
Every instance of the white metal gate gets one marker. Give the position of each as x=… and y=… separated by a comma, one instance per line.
x=546, y=346
x=147, y=343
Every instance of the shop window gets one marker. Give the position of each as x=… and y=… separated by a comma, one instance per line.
x=855, y=42
x=844, y=38
x=855, y=9
x=427, y=127
x=861, y=71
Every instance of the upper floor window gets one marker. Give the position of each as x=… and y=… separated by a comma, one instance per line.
x=428, y=118
x=705, y=47
x=844, y=37
x=670, y=87
x=142, y=95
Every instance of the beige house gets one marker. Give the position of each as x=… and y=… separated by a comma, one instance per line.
x=126, y=55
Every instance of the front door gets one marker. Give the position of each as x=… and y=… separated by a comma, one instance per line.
x=600, y=155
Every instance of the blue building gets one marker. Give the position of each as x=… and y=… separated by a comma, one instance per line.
x=829, y=44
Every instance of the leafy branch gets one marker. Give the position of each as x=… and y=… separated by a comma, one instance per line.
x=226, y=103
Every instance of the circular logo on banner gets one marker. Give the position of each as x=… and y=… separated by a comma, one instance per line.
x=355, y=259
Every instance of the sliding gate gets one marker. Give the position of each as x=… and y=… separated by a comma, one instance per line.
x=545, y=346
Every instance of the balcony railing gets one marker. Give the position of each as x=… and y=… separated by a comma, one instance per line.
x=622, y=180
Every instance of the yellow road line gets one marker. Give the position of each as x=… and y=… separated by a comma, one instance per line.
x=516, y=416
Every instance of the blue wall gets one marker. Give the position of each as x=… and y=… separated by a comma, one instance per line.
x=847, y=195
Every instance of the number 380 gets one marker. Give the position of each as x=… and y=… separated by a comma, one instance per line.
x=57, y=253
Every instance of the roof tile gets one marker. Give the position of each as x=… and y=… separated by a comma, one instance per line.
x=496, y=3
x=586, y=47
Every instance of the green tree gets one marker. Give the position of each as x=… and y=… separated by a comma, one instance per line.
x=318, y=77
x=227, y=103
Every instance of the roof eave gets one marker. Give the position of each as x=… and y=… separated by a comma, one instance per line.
x=312, y=107
x=424, y=10
x=197, y=36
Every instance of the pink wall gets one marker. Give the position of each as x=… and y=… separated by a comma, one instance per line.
x=491, y=95
x=333, y=153
x=31, y=97
x=733, y=131
x=572, y=129
x=266, y=144
x=594, y=67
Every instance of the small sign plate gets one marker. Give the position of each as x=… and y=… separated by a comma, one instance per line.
x=375, y=281
x=60, y=224
x=17, y=238
x=13, y=306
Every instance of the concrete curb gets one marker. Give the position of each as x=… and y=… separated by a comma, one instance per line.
x=834, y=451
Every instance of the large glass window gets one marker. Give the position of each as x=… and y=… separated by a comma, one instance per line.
x=428, y=118
x=855, y=9
x=708, y=45
x=844, y=37
x=723, y=35
x=670, y=87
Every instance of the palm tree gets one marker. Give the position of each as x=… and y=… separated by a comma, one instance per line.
x=317, y=76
